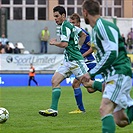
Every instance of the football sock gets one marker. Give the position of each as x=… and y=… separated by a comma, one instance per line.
x=56, y=92
x=97, y=86
x=78, y=97
x=129, y=113
x=108, y=124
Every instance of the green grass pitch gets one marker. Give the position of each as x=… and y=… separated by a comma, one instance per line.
x=23, y=104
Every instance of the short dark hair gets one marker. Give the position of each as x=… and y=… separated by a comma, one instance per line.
x=75, y=16
x=92, y=6
x=59, y=9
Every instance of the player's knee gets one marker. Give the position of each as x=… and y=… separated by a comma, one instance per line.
x=104, y=110
x=106, y=107
x=75, y=85
x=54, y=82
x=121, y=123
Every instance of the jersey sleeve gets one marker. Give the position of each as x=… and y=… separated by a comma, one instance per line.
x=107, y=49
x=104, y=63
x=88, y=38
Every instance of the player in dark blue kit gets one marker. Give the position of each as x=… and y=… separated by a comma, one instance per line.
x=86, y=51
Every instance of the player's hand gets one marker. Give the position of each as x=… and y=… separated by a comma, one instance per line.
x=52, y=41
x=85, y=78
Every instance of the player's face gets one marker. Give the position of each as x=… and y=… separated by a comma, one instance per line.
x=58, y=18
x=85, y=14
x=74, y=22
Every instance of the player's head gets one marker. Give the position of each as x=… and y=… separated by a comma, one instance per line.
x=59, y=14
x=46, y=28
x=75, y=19
x=90, y=8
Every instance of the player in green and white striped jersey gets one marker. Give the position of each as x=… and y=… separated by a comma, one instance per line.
x=114, y=64
x=73, y=60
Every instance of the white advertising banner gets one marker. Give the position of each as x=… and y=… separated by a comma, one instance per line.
x=22, y=61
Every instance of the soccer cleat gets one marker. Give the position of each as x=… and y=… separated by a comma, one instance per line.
x=48, y=112
x=78, y=111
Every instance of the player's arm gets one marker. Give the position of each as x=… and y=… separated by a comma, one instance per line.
x=104, y=63
x=61, y=44
x=110, y=48
x=89, y=51
x=82, y=37
x=64, y=37
x=33, y=70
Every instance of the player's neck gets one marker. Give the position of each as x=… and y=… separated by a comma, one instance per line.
x=93, y=20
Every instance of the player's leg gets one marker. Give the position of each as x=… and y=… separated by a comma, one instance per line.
x=61, y=73
x=35, y=81
x=108, y=105
x=125, y=117
x=106, y=110
x=56, y=92
x=78, y=97
x=117, y=89
x=129, y=112
x=121, y=118
x=29, y=81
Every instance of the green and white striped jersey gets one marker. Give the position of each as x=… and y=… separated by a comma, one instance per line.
x=109, y=50
x=69, y=33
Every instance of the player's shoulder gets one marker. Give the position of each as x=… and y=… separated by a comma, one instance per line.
x=86, y=32
x=103, y=23
x=67, y=24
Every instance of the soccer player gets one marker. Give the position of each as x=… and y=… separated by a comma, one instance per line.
x=73, y=60
x=113, y=62
x=32, y=75
x=90, y=61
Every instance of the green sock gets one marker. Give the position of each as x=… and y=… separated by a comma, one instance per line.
x=129, y=112
x=56, y=92
x=97, y=86
x=108, y=124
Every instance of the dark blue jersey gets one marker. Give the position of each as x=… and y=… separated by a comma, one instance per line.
x=85, y=47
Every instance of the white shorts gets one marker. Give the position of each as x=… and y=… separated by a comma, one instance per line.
x=117, y=89
x=78, y=68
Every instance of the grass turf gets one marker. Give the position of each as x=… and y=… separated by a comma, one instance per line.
x=23, y=104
